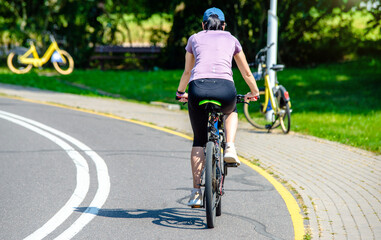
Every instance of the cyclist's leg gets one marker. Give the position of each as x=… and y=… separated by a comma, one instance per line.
x=227, y=96
x=199, y=122
x=231, y=125
x=197, y=163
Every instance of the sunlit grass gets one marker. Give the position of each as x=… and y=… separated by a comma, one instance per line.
x=358, y=130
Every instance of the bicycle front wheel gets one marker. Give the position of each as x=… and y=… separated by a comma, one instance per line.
x=15, y=66
x=285, y=118
x=255, y=112
x=67, y=67
x=210, y=185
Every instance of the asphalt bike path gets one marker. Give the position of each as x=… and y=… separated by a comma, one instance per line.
x=339, y=186
x=52, y=174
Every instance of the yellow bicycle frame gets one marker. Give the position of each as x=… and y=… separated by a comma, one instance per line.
x=36, y=60
x=269, y=95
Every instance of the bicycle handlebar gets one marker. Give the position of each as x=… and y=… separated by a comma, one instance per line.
x=260, y=53
x=240, y=98
x=265, y=48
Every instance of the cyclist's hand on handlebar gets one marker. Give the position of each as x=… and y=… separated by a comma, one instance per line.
x=182, y=97
x=251, y=97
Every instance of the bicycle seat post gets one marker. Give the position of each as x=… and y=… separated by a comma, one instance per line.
x=214, y=112
x=52, y=39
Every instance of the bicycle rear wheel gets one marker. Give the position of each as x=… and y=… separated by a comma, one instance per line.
x=285, y=118
x=210, y=185
x=254, y=112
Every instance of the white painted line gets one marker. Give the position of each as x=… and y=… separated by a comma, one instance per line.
x=98, y=201
x=103, y=181
x=83, y=179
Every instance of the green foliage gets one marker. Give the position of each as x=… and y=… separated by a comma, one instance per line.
x=81, y=24
x=74, y=21
x=245, y=19
x=309, y=31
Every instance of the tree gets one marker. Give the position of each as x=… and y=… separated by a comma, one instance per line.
x=304, y=36
x=73, y=21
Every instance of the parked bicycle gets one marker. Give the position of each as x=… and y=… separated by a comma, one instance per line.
x=215, y=169
x=273, y=109
x=21, y=60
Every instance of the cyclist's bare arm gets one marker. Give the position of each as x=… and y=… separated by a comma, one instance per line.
x=244, y=68
x=189, y=64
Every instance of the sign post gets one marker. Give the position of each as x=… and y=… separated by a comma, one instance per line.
x=272, y=37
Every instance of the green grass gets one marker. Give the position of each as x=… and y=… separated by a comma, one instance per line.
x=339, y=102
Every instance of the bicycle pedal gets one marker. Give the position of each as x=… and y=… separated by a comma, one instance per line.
x=231, y=164
x=196, y=206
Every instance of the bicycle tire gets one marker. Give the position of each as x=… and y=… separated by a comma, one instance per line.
x=254, y=114
x=220, y=184
x=67, y=68
x=285, y=120
x=210, y=191
x=12, y=61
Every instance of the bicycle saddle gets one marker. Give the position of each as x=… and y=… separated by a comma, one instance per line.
x=277, y=67
x=211, y=105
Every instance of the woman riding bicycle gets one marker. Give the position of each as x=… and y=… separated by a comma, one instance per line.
x=208, y=71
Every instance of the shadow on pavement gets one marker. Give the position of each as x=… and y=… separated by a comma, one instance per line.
x=181, y=218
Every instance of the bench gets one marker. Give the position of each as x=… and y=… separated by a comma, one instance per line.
x=105, y=53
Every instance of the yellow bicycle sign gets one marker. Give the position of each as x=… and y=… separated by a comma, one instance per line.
x=21, y=60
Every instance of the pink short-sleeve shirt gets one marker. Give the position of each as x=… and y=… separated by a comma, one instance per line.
x=214, y=51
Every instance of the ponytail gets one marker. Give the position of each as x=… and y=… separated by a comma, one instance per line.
x=213, y=23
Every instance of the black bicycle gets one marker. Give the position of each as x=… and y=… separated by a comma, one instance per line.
x=216, y=169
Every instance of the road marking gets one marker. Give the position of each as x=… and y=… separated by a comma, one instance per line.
x=103, y=182
x=291, y=204
x=100, y=196
x=83, y=178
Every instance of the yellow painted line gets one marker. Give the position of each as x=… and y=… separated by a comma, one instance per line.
x=291, y=204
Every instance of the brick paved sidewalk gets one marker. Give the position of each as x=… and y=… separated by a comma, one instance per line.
x=340, y=185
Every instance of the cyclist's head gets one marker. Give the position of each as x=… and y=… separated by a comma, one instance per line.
x=214, y=19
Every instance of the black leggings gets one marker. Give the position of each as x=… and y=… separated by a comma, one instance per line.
x=212, y=89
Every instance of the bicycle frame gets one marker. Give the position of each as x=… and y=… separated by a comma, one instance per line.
x=36, y=60
x=269, y=96
x=217, y=137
